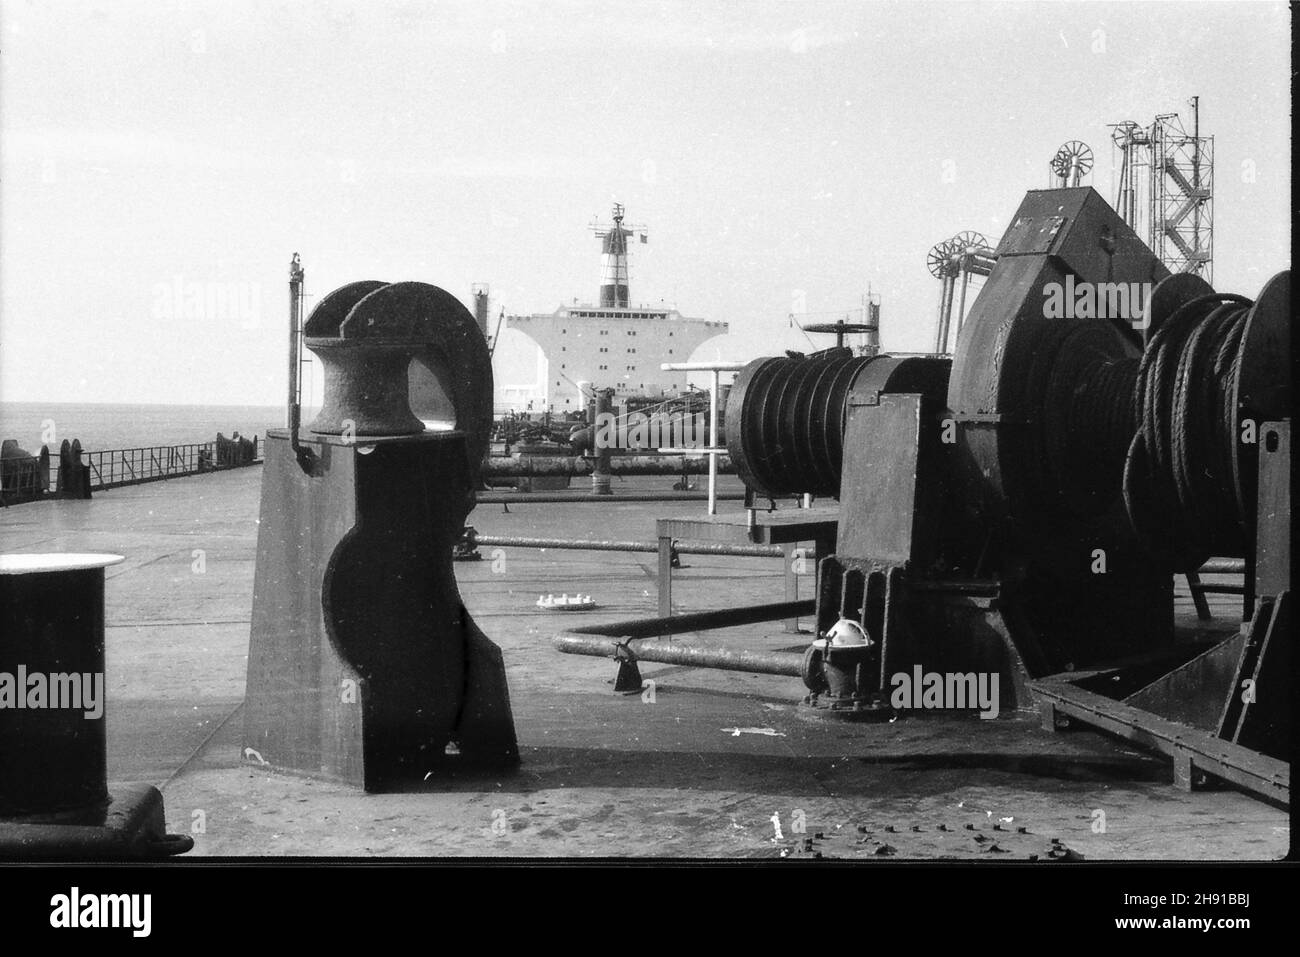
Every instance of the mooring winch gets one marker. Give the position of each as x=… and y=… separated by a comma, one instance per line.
x=1032, y=526
x=364, y=665
x=1023, y=512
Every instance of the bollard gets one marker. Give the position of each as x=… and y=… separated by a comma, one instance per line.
x=54, y=796
x=73, y=477
x=364, y=666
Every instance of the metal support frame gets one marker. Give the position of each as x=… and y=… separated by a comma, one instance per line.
x=713, y=451
x=786, y=529
x=1192, y=750
x=1239, y=735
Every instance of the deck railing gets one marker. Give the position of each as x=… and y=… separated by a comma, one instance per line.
x=23, y=478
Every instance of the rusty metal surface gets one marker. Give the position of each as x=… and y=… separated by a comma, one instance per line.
x=365, y=389
x=389, y=347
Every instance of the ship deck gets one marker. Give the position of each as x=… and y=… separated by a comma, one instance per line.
x=698, y=772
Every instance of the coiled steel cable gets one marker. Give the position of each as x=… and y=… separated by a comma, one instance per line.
x=1179, y=478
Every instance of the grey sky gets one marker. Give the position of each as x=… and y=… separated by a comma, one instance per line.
x=148, y=147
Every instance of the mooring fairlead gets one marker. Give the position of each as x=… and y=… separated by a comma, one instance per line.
x=364, y=665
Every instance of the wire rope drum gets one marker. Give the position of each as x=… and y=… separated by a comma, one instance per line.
x=786, y=414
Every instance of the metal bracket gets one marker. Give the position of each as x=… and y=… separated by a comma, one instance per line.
x=628, y=680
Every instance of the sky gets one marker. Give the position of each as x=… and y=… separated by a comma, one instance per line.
x=161, y=162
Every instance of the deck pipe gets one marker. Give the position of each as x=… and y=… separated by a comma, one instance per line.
x=603, y=641
x=609, y=545
x=525, y=466
x=512, y=498
x=787, y=663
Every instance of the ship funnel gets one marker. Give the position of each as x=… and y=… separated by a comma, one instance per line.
x=480, y=294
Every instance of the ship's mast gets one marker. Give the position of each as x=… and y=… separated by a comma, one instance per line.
x=613, y=260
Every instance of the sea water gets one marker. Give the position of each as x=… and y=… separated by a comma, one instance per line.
x=119, y=426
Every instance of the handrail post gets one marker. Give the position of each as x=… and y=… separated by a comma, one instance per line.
x=713, y=451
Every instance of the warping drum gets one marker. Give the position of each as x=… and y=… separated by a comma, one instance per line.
x=785, y=415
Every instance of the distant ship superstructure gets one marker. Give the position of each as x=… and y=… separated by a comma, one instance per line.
x=614, y=344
